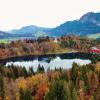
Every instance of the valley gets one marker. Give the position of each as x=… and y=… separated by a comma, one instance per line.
x=59, y=63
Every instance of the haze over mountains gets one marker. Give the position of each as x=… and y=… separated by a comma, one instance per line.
x=88, y=24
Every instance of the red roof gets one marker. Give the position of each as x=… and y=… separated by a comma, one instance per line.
x=95, y=50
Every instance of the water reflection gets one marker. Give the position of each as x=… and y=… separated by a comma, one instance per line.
x=56, y=62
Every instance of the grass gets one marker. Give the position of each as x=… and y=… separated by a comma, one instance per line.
x=94, y=36
x=5, y=41
x=66, y=50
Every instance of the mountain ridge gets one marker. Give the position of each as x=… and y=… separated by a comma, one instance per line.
x=87, y=24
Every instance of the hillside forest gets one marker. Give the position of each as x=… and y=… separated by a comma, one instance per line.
x=47, y=45
x=77, y=83
x=81, y=82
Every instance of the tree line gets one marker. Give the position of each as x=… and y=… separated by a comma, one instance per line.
x=47, y=45
x=77, y=83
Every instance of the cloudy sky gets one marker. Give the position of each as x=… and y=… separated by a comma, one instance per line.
x=46, y=13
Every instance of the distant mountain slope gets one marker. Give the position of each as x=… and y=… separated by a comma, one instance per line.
x=88, y=24
x=91, y=17
x=31, y=31
x=94, y=36
x=4, y=34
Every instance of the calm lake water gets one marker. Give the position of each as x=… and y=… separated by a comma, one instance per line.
x=55, y=62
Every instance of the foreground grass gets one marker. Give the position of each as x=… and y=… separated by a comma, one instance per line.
x=5, y=41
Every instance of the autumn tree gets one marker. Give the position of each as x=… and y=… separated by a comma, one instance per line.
x=41, y=91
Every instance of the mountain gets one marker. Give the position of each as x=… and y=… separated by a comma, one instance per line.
x=88, y=24
x=31, y=31
x=4, y=34
x=91, y=17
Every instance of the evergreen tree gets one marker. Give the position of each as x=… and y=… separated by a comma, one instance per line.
x=64, y=76
x=25, y=94
x=57, y=91
x=15, y=70
x=74, y=94
x=40, y=69
x=25, y=72
x=74, y=72
x=1, y=86
x=31, y=71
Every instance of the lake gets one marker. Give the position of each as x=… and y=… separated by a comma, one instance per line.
x=52, y=63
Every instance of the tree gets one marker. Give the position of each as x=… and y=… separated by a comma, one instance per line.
x=31, y=71
x=64, y=75
x=74, y=72
x=25, y=94
x=40, y=69
x=74, y=94
x=42, y=89
x=25, y=72
x=57, y=91
x=93, y=81
x=1, y=86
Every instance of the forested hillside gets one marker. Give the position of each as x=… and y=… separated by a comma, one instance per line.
x=77, y=83
x=46, y=45
x=81, y=82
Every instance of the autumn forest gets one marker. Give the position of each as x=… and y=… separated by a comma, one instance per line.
x=81, y=82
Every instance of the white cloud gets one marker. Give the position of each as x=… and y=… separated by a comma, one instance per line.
x=46, y=13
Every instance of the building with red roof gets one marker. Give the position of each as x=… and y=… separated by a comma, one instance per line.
x=95, y=50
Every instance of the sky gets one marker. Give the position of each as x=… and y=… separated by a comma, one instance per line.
x=15, y=14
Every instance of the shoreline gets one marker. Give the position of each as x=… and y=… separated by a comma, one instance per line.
x=70, y=55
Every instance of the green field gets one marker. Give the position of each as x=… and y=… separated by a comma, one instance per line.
x=5, y=41
x=94, y=36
